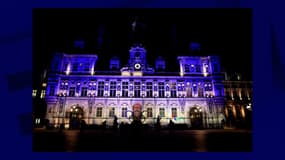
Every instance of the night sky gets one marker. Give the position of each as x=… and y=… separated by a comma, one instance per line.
x=166, y=33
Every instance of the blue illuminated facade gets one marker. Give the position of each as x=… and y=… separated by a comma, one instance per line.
x=194, y=95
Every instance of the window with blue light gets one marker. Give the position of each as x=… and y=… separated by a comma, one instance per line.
x=84, y=91
x=161, y=91
x=137, y=89
x=200, y=92
x=148, y=89
x=125, y=88
x=186, y=68
x=86, y=67
x=192, y=69
x=100, y=89
x=75, y=67
x=173, y=90
x=113, y=88
x=71, y=91
x=198, y=68
x=189, y=91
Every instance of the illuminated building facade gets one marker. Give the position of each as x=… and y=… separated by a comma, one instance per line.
x=238, y=108
x=193, y=96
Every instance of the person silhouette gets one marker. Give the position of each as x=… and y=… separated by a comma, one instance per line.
x=222, y=123
x=170, y=126
x=115, y=123
x=158, y=122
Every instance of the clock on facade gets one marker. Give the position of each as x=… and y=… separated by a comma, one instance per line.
x=137, y=66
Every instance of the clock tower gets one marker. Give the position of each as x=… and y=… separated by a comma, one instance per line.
x=137, y=64
x=137, y=61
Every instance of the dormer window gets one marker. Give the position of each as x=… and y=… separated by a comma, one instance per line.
x=187, y=68
x=198, y=68
x=75, y=67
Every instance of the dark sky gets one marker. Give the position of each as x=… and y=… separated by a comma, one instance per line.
x=167, y=32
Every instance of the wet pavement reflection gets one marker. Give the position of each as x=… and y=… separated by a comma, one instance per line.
x=140, y=140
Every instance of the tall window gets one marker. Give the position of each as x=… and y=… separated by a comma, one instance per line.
x=173, y=89
x=206, y=68
x=75, y=67
x=189, y=91
x=86, y=67
x=113, y=89
x=125, y=90
x=137, y=89
x=148, y=89
x=99, y=112
x=112, y=112
x=149, y=112
x=180, y=89
x=100, y=89
x=124, y=112
x=84, y=91
x=174, y=112
x=198, y=68
x=51, y=91
x=71, y=91
x=187, y=68
x=192, y=69
x=161, y=89
x=161, y=112
x=200, y=92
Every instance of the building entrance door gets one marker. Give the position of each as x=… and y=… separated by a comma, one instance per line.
x=196, y=117
x=75, y=117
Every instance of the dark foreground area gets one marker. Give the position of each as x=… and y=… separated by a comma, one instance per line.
x=152, y=140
